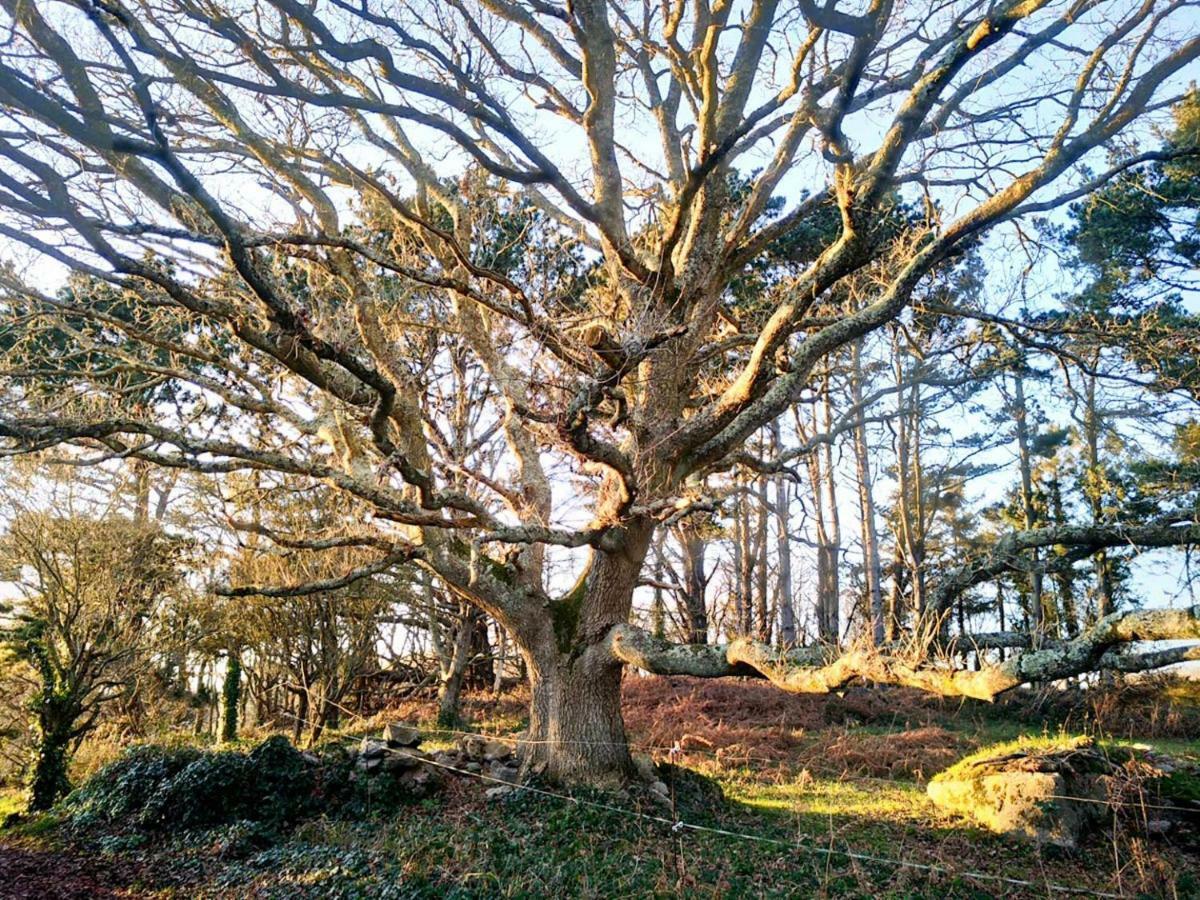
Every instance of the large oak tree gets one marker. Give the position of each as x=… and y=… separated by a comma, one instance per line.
x=288, y=197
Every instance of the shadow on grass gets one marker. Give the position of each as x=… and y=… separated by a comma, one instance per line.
x=789, y=838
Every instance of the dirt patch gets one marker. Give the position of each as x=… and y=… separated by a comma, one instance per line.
x=29, y=872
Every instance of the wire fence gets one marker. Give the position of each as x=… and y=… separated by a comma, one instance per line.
x=841, y=776
x=678, y=826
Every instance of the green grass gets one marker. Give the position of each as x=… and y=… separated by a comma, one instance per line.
x=12, y=801
x=779, y=836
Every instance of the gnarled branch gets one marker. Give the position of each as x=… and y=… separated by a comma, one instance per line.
x=808, y=670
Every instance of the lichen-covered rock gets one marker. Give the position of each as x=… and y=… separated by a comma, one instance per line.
x=481, y=749
x=400, y=735
x=1048, y=794
x=370, y=748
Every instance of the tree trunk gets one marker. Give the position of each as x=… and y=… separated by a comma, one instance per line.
x=872, y=567
x=1094, y=488
x=453, y=670
x=833, y=593
x=826, y=629
x=576, y=733
x=501, y=655
x=762, y=609
x=909, y=508
x=744, y=563
x=894, y=621
x=1065, y=577
x=783, y=550
x=231, y=691
x=56, y=717
x=481, y=670
x=1021, y=414
x=695, y=579
x=301, y=716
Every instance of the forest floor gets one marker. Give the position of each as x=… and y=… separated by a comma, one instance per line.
x=782, y=795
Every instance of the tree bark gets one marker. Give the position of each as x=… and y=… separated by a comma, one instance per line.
x=231, y=690
x=1094, y=488
x=1021, y=415
x=762, y=610
x=872, y=567
x=783, y=550
x=827, y=625
x=576, y=732
x=833, y=591
x=695, y=579
x=451, y=680
x=1102, y=647
x=56, y=715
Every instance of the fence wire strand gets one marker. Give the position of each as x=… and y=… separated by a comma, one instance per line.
x=683, y=825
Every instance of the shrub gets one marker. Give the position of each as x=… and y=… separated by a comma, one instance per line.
x=121, y=789
x=213, y=789
x=152, y=787
x=284, y=781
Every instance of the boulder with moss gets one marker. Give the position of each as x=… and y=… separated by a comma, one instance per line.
x=1048, y=792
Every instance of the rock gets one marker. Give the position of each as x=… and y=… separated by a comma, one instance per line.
x=499, y=792
x=399, y=762
x=483, y=749
x=1160, y=826
x=369, y=763
x=401, y=735
x=645, y=767
x=496, y=750
x=311, y=758
x=370, y=748
x=1048, y=796
x=471, y=746
x=660, y=788
x=474, y=768
x=503, y=772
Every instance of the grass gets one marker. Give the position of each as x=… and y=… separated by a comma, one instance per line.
x=12, y=800
x=793, y=795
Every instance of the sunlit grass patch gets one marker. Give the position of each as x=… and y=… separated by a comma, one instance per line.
x=12, y=800
x=871, y=800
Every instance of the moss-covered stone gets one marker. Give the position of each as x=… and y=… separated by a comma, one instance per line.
x=1047, y=791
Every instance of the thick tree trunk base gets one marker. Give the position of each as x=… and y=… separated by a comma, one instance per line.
x=576, y=734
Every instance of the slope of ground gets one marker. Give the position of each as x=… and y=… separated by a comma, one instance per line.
x=821, y=797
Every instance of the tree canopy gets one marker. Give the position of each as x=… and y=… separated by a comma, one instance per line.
x=638, y=234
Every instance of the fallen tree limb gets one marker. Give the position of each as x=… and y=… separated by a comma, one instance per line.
x=810, y=670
